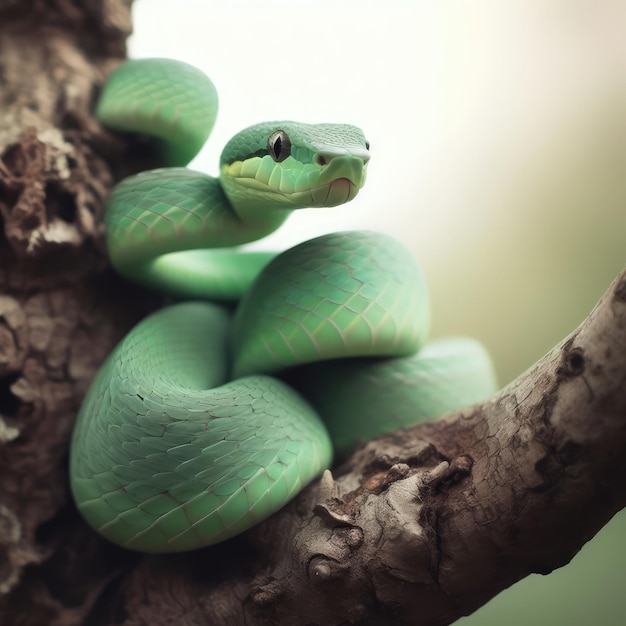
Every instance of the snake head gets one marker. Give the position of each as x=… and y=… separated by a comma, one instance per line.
x=290, y=165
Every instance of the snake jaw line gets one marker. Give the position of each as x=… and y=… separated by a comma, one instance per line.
x=325, y=195
x=260, y=184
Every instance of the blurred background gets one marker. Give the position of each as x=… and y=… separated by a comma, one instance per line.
x=498, y=139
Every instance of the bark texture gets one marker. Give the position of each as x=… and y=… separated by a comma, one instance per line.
x=60, y=310
x=419, y=527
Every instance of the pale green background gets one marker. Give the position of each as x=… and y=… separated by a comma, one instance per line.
x=498, y=135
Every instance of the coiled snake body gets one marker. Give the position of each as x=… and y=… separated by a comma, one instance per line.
x=186, y=436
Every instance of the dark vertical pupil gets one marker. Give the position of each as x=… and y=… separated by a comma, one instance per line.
x=279, y=145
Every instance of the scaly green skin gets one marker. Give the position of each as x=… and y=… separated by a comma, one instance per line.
x=365, y=397
x=167, y=456
x=173, y=102
x=185, y=438
x=349, y=294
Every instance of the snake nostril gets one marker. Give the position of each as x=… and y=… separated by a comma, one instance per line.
x=320, y=159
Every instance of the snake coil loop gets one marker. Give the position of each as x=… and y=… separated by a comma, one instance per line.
x=189, y=433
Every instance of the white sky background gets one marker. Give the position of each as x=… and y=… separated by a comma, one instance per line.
x=463, y=103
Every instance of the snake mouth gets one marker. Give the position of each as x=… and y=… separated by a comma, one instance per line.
x=329, y=194
x=252, y=186
x=339, y=191
x=341, y=177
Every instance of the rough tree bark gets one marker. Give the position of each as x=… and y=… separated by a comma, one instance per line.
x=419, y=527
x=60, y=310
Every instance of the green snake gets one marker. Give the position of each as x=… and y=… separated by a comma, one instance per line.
x=189, y=433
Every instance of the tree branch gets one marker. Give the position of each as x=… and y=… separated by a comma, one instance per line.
x=425, y=525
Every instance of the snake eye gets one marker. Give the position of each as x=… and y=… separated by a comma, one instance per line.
x=367, y=144
x=279, y=146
